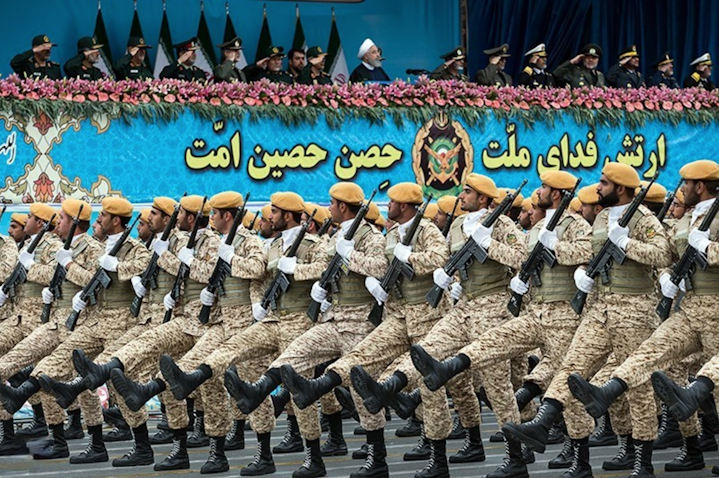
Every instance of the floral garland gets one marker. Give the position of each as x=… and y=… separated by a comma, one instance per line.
x=399, y=101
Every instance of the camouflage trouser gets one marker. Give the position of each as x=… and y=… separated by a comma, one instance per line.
x=614, y=323
x=619, y=410
x=20, y=324
x=251, y=349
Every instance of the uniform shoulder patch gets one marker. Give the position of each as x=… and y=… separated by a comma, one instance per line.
x=696, y=76
x=650, y=232
x=528, y=70
x=511, y=238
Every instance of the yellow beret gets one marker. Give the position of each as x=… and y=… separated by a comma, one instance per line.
x=409, y=193
x=19, y=218
x=446, y=203
x=71, y=206
x=482, y=184
x=145, y=214
x=535, y=197
x=575, y=205
x=381, y=221
x=656, y=194
x=503, y=194
x=704, y=169
x=527, y=204
x=372, y=212
x=431, y=210
x=192, y=204
x=117, y=206
x=249, y=216
x=621, y=174
x=226, y=200
x=321, y=215
x=680, y=196
x=42, y=211
x=288, y=201
x=588, y=194
x=164, y=204
x=265, y=211
x=558, y=179
x=348, y=193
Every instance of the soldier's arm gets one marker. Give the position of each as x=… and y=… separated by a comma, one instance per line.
x=205, y=259
x=316, y=265
x=433, y=252
x=73, y=66
x=368, y=258
x=671, y=232
x=19, y=62
x=713, y=252
x=249, y=261
x=45, y=264
x=437, y=72
x=648, y=243
x=169, y=261
x=8, y=258
x=121, y=67
x=84, y=265
x=169, y=71
x=134, y=263
x=507, y=246
x=563, y=71
x=575, y=247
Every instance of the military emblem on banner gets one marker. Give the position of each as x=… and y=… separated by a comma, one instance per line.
x=442, y=156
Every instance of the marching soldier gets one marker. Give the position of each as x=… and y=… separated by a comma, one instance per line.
x=453, y=66
x=701, y=78
x=227, y=70
x=35, y=63
x=664, y=73
x=132, y=66
x=535, y=74
x=313, y=73
x=626, y=74
x=493, y=74
x=82, y=66
x=144, y=231
x=16, y=230
x=581, y=71
x=184, y=68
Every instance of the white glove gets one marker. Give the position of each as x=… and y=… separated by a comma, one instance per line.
x=168, y=301
x=669, y=289
x=3, y=297
x=206, y=297
x=374, y=288
x=345, y=248
x=186, y=256
x=402, y=252
x=318, y=294
x=518, y=286
x=456, y=291
x=27, y=259
x=325, y=306
x=64, y=257
x=441, y=278
x=483, y=236
x=258, y=312
x=287, y=265
x=699, y=240
x=109, y=263
x=583, y=281
x=140, y=289
x=159, y=247
x=619, y=235
x=548, y=239
x=47, y=296
x=226, y=252
x=78, y=305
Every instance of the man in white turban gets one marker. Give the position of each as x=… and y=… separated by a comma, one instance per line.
x=371, y=67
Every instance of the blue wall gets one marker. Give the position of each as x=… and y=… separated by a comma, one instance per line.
x=412, y=33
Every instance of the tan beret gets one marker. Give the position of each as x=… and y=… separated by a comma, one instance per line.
x=380, y=221
x=288, y=201
x=226, y=200
x=535, y=197
x=372, y=212
x=348, y=193
x=321, y=215
x=145, y=215
x=409, y=193
x=558, y=179
x=680, y=196
x=588, y=194
x=446, y=203
x=575, y=205
x=192, y=204
x=431, y=210
x=42, y=211
x=482, y=184
x=527, y=204
x=266, y=211
x=164, y=204
x=247, y=220
x=656, y=194
x=621, y=174
x=117, y=206
x=704, y=169
x=503, y=194
x=71, y=206
x=19, y=218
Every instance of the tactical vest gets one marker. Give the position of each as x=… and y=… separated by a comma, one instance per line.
x=29, y=288
x=118, y=294
x=165, y=280
x=702, y=282
x=297, y=297
x=192, y=287
x=558, y=281
x=351, y=289
x=414, y=291
x=69, y=289
x=630, y=278
x=237, y=290
x=484, y=279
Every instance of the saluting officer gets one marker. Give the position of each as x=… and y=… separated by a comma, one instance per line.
x=35, y=63
x=626, y=74
x=132, y=66
x=453, y=66
x=227, y=70
x=83, y=64
x=184, y=68
x=493, y=74
x=581, y=71
x=702, y=72
x=313, y=73
x=534, y=74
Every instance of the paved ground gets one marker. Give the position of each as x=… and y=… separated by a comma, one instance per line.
x=16, y=467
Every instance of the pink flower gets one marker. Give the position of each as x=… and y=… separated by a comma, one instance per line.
x=667, y=105
x=170, y=98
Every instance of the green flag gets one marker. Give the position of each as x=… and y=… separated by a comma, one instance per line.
x=265, y=40
x=206, y=59
x=336, y=64
x=299, y=41
x=105, y=62
x=136, y=31
x=230, y=33
x=165, y=53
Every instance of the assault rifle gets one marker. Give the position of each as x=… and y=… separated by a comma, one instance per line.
x=337, y=265
x=668, y=202
x=610, y=252
x=471, y=251
x=251, y=227
x=324, y=227
x=100, y=279
x=398, y=270
x=184, y=271
x=540, y=255
x=450, y=219
x=216, y=284
x=687, y=265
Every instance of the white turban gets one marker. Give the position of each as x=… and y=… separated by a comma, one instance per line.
x=364, y=48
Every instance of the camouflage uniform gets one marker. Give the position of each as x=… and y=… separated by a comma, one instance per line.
x=8, y=259
x=621, y=318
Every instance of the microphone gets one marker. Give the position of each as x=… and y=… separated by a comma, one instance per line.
x=412, y=71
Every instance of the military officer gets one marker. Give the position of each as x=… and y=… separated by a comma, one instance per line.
x=35, y=63
x=535, y=74
x=701, y=78
x=184, y=68
x=626, y=74
x=493, y=74
x=581, y=71
x=664, y=73
x=133, y=66
x=227, y=70
x=453, y=66
x=16, y=229
x=370, y=68
x=82, y=65
x=269, y=66
x=296, y=61
x=313, y=73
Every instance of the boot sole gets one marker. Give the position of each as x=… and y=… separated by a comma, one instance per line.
x=81, y=461
x=266, y=471
x=369, y=399
x=512, y=431
x=581, y=393
x=421, y=363
x=170, y=373
x=121, y=464
x=666, y=392
x=694, y=467
x=476, y=459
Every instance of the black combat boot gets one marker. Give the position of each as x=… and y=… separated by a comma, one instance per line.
x=535, y=432
x=120, y=431
x=306, y=392
x=56, y=447
x=36, y=428
x=458, y=431
x=375, y=465
x=64, y=392
x=668, y=434
x=178, y=458
x=263, y=463
x=73, y=426
x=217, y=461
x=556, y=433
x=141, y=452
x=335, y=444
x=422, y=450
x=10, y=443
x=565, y=457
x=437, y=373
x=163, y=436
x=682, y=402
x=642, y=460
x=344, y=397
x=603, y=434
x=690, y=457
x=437, y=466
x=93, y=374
x=199, y=438
x=709, y=426
x=292, y=441
x=313, y=465
x=596, y=400
x=13, y=398
x=513, y=465
x=413, y=427
x=376, y=396
x=235, y=438
x=135, y=394
x=280, y=400
x=624, y=459
x=183, y=384
x=473, y=450
x=95, y=451
x=526, y=393
x=580, y=467
x=249, y=396
x=405, y=404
